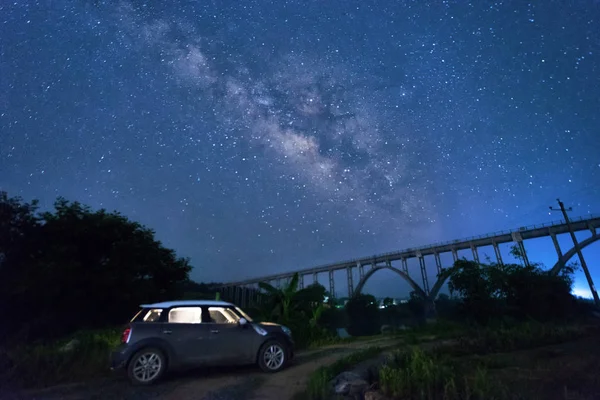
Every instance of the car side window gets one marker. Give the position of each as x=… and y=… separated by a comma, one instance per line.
x=185, y=315
x=220, y=315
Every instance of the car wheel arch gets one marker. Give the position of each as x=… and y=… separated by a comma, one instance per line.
x=159, y=344
x=274, y=336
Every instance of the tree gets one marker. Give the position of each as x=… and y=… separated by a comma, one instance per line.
x=279, y=301
x=522, y=291
x=75, y=268
x=363, y=315
x=388, y=302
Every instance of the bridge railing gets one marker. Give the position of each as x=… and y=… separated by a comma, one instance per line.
x=439, y=244
x=467, y=239
x=502, y=232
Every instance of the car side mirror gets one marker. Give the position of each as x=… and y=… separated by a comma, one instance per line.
x=243, y=321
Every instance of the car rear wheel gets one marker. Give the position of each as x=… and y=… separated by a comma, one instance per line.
x=272, y=356
x=147, y=366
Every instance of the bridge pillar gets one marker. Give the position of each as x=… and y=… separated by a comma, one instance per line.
x=438, y=262
x=331, y=284
x=556, y=245
x=498, y=254
x=475, y=253
x=350, y=282
x=315, y=278
x=423, y=273
x=361, y=271
x=244, y=293
x=300, y=281
x=454, y=255
x=404, y=265
x=516, y=236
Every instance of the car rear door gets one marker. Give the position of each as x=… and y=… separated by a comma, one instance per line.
x=186, y=334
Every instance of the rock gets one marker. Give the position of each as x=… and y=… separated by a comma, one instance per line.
x=72, y=345
x=349, y=384
x=386, y=329
x=375, y=395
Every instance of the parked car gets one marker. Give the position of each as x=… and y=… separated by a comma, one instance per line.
x=174, y=334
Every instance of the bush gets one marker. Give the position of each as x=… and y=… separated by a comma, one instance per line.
x=45, y=364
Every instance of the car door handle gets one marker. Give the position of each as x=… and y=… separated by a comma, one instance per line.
x=214, y=331
x=167, y=332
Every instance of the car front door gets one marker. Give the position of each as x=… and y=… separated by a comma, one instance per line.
x=230, y=343
x=186, y=334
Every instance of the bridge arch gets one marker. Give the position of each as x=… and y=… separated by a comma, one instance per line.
x=442, y=278
x=402, y=274
x=569, y=254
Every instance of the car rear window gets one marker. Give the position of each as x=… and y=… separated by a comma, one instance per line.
x=147, y=315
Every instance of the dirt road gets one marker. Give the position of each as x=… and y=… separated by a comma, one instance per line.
x=212, y=384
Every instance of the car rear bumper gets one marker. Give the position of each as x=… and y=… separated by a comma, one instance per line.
x=118, y=358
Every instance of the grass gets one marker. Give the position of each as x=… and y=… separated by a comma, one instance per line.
x=45, y=364
x=318, y=387
x=418, y=375
x=526, y=361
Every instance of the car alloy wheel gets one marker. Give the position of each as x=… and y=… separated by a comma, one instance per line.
x=272, y=356
x=146, y=366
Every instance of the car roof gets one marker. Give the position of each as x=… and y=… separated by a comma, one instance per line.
x=186, y=303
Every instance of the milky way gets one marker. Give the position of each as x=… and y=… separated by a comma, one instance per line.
x=258, y=137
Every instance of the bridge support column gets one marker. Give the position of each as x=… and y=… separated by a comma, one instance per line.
x=498, y=254
x=244, y=296
x=524, y=253
x=454, y=255
x=516, y=236
x=475, y=253
x=300, y=281
x=315, y=278
x=423, y=273
x=438, y=262
x=331, y=285
x=350, y=282
x=404, y=265
x=361, y=271
x=556, y=245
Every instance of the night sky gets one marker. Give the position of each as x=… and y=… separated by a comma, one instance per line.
x=258, y=137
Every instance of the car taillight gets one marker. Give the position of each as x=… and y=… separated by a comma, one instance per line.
x=126, y=335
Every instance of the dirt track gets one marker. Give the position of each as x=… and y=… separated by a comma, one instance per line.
x=212, y=384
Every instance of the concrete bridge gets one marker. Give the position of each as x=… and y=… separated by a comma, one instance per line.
x=246, y=291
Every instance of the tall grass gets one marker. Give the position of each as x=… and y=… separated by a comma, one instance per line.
x=418, y=375
x=522, y=336
x=45, y=364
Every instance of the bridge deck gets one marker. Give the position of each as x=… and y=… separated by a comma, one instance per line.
x=529, y=232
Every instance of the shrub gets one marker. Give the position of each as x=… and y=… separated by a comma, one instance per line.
x=45, y=364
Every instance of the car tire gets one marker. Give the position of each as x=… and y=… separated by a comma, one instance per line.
x=272, y=356
x=146, y=366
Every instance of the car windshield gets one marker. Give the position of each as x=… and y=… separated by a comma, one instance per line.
x=243, y=314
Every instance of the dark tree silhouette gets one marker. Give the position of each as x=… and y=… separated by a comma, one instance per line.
x=75, y=268
x=488, y=291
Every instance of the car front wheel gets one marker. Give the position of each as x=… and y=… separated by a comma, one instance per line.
x=272, y=356
x=146, y=366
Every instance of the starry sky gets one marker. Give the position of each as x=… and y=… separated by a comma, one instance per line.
x=258, y=137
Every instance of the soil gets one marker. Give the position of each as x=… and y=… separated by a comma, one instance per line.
x=211, y=383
